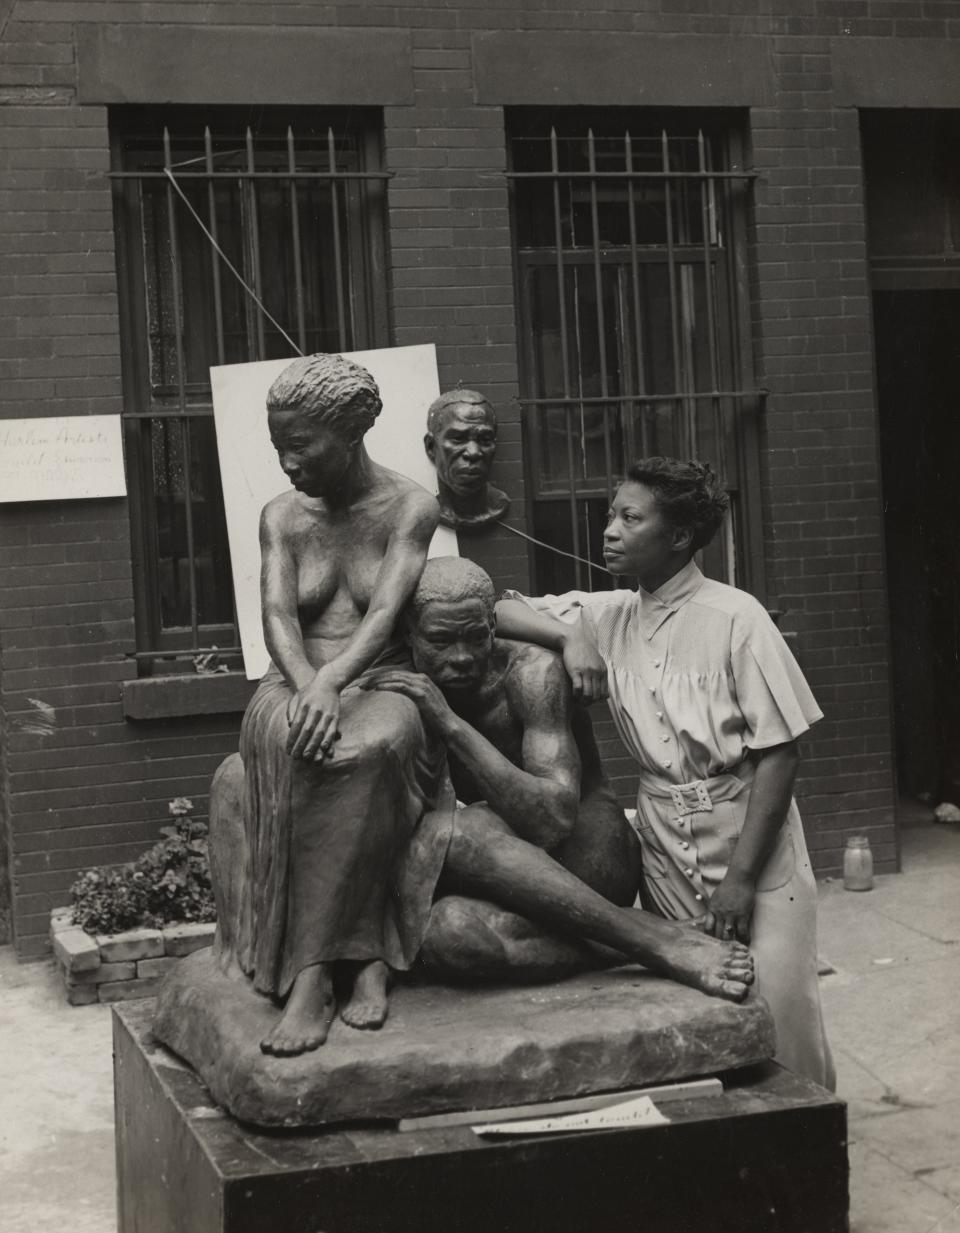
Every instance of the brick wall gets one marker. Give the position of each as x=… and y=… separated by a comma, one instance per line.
x=83, y=784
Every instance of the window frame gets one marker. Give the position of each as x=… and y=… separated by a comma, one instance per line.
x=136, y=138
x=727, y=131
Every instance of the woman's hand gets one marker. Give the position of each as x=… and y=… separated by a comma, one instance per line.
x=730, y=909
x=313, y=714
x=432, y=705
x=587, y=671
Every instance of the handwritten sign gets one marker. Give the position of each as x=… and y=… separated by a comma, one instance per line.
x=63, y=458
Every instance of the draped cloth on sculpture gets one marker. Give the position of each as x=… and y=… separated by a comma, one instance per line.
x=337, y=869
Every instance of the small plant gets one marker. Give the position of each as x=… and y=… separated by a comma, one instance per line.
x=169, y=883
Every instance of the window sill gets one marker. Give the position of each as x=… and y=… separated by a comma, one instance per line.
x=169, y=697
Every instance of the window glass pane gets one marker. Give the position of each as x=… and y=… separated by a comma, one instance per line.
x=633, y=373
x=553, y=525
x=912, y=180
x=536, y=209
x=305, y=248
x=213, y=580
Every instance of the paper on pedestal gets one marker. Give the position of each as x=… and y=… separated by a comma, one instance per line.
x=639, y=1112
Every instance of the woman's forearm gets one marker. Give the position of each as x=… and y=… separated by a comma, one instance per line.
x=517, y=620
x=770, y=796
x=575, y=641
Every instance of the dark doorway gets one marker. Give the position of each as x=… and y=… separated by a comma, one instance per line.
x=917, y=336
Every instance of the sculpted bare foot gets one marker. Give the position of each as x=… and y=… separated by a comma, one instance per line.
x=367, y=1006
x=722, y=969
x=305, y=1022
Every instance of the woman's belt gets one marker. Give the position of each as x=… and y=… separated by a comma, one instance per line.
x=700, y=795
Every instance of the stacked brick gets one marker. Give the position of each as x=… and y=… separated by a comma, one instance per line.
x=82, y=782
x=121, y=967
x=822, y=486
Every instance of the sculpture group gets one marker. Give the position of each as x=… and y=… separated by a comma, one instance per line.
x=418, y=796
x=416, y=793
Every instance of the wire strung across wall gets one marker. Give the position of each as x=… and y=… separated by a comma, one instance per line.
x=227, y=262
x=263, y=308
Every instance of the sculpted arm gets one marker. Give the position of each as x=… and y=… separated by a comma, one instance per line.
x=396, y=579
x=278, y=595
x=314, y=710
x=539, y=800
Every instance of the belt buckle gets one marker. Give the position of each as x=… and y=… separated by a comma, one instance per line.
x=679, y=796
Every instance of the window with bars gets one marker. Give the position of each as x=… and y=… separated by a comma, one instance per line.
x=629, y=238
x=295, y=204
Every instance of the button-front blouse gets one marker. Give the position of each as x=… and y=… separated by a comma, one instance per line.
x=699, y=675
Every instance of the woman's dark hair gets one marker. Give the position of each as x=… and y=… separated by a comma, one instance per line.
x=688, y=493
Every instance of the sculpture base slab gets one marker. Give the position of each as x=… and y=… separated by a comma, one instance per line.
x=448, y=1048
x=769, y=1153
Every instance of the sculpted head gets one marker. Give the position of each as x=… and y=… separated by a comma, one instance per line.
x=461, y=441
x=318, y=410
x=450, y=623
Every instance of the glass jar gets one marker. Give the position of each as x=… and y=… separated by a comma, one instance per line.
x=858, y=864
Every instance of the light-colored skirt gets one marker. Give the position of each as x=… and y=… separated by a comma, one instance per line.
x=784, y=926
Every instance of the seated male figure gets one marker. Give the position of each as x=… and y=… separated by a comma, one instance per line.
x=541, y=865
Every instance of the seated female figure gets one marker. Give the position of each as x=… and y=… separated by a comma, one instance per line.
x=337, y=779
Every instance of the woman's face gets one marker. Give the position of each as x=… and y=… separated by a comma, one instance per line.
x=313, y=456
x=639, y=541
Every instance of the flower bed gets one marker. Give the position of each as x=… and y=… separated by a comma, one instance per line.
x=130, y=923
x=120, y=966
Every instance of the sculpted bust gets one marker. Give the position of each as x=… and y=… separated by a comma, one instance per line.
x=461, y=442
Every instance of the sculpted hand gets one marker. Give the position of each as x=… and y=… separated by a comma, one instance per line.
x=433, y=707
x=313, y=714
x=587, y=671
x=731, y=908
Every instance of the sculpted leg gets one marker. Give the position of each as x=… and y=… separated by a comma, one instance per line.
x=367, y=1006
x=305, y=1022
x=523, y=878
x=469, y=939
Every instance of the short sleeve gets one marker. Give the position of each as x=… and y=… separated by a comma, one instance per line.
x=774, y=698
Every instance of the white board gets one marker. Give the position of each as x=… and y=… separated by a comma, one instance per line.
x=61, y=458
x=251, y=475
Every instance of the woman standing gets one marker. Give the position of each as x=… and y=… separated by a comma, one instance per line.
x=337, y=779
x=710, y=702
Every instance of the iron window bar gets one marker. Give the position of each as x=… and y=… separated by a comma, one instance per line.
x=682, y=255
x=589, y=399
x=632, y=175
x=239, y=174
x=163, y=311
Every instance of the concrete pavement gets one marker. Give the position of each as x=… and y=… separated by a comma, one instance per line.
x=56, y=1106
x=893, y=1013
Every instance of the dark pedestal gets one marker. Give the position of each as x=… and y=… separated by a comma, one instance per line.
x=768, y=1155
